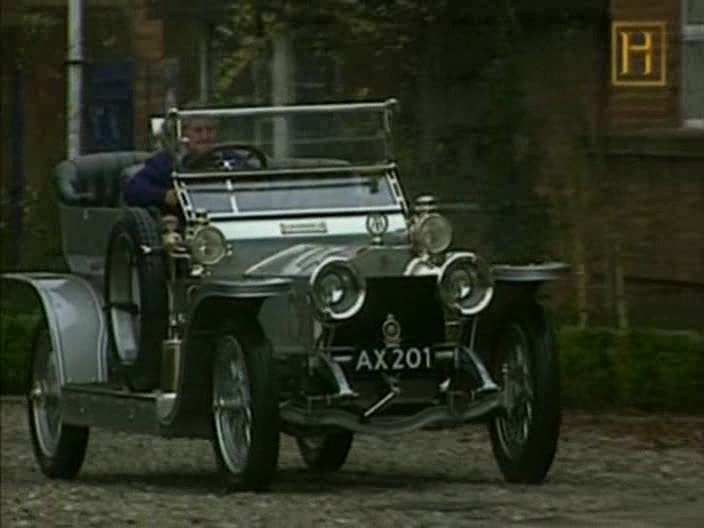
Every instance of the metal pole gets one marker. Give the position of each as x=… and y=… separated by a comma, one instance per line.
x=282, y=93
x=204, y=62
x=17, y=189
x=75, y=77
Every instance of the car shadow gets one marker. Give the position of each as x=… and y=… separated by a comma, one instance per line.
x=304, y=481
x=286, y=481
x=198, y=483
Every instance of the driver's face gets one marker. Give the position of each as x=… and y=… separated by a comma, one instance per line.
x=201, y=134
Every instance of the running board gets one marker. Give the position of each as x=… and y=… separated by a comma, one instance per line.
x=112, y=408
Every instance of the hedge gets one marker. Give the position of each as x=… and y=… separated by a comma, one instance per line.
x=642, y=370
x=601, y=369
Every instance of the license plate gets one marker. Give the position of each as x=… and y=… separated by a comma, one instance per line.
x=394, y=359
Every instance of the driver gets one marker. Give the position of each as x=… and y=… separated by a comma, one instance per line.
x=151, y=185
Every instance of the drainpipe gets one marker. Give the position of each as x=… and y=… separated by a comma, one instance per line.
x=204, y=62
x=75, y=77
x=282, y=89
x=17, y=188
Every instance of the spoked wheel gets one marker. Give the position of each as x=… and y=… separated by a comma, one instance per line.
x=125, y=297
x=525, y=363
x=325, y=452
x=58, y=448
x=245, y=410
x=136, y=297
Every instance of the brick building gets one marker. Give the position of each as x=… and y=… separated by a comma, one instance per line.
x=649, y=183
x=669, y=34
x=132, y=66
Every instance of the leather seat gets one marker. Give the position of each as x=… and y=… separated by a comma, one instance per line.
x=96, y=180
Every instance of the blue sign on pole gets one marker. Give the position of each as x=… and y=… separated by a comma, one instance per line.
x=109, y=110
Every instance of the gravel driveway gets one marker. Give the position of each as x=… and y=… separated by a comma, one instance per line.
x=610, y=471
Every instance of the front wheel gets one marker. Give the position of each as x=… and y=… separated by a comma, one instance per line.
x=58, y=448
x=245, y=409
x=325, y=452
x=524, y=362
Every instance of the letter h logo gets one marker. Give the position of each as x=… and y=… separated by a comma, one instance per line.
x=638, y=54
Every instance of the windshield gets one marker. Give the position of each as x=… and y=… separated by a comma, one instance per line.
x=291, y=136
x=278, y=160
x=331, y=193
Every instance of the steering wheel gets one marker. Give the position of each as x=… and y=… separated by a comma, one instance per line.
x=228, y=157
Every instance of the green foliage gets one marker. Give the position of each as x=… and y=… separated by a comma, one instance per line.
x=514, y=158
x=368, y=36
x=16, y=333
x=40, y=242
x=649, y=371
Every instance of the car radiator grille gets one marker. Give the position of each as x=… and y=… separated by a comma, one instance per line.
x=413, y=301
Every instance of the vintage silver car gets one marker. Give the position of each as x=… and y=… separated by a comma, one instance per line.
x=295, y=290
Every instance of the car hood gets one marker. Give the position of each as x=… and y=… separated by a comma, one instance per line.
x=303, y=259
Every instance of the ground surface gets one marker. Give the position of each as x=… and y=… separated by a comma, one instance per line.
x=609, y=471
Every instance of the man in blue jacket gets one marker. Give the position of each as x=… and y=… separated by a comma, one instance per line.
x=151, y=185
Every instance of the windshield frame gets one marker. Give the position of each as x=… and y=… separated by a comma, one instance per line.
x=173, y=126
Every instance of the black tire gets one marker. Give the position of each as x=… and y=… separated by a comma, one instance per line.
x=326, y=452
x=257, y=466
x=137, y=352
x=526, y=456
x=58, y=448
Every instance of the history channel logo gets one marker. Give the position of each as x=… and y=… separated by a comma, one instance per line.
x=638, y=54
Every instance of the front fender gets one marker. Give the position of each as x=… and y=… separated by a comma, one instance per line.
x=515, y=286
x=214, y=304
x=206, y=312
x=240, y=289
x=535, y=273
x=73, y=312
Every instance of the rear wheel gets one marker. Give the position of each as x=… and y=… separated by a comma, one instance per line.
x=325, y=452
x=245, y=409
x=58, y=448
x=524, y=434
x=136, y=298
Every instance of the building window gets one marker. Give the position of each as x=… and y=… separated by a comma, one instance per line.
x=693, y=63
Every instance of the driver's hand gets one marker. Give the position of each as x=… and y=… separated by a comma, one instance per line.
x=170, y=199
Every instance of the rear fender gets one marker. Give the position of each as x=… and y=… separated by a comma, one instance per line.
x=72, y=309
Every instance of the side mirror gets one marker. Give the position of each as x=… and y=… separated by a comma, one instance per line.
x=156, y=125
x=162, y=132
x=156, y=132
